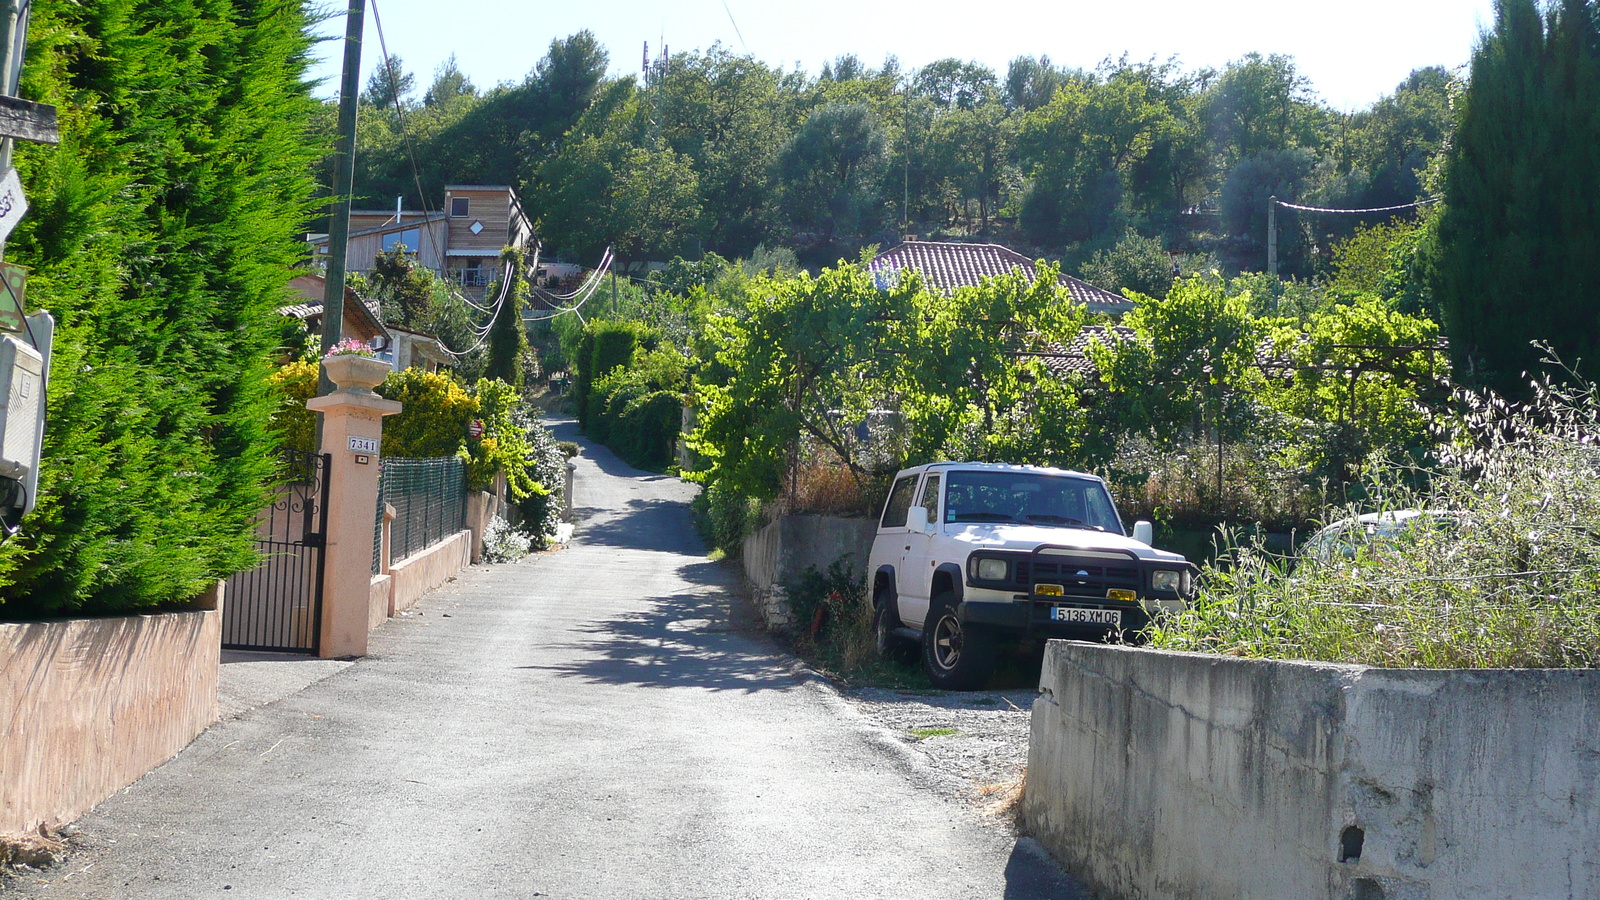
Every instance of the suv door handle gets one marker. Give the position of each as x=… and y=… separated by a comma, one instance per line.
x=908, y=546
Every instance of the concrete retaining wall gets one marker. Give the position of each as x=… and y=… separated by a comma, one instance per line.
x=1156, y=774
x=786, y=547
x=88, y=706
x=425, y=570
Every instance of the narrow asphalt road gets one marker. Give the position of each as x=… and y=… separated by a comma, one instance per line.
x=583, y=724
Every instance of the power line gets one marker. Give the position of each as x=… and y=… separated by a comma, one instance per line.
x=1320, y=209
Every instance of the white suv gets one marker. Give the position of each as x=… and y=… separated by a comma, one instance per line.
x=972, y=554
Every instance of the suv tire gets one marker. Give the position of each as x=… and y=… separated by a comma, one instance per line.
x=954, y=657
x=890, y=647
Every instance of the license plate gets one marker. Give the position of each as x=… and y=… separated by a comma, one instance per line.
x=1078, y=616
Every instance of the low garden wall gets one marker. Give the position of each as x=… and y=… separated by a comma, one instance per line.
x=427, y=569
x=88, y=706
x=1157, y=774
x=786, y=547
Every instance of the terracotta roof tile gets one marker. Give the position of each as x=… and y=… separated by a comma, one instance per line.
x=946, y=266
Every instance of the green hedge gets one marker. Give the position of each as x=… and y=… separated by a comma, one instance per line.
x=161, y=234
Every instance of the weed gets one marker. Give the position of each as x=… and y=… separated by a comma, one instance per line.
x=922, y=734
x=1511, y=585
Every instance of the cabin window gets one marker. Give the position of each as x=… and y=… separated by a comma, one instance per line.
x=459, y=207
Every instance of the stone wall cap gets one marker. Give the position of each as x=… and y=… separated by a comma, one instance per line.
x=354, y=399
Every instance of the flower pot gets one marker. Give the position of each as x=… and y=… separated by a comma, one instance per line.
x=352, y=372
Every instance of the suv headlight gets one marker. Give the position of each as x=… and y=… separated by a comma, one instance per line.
x=992, y=569
x=1166, y=580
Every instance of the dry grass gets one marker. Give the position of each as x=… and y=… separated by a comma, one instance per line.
x=1002, y=800
x=826, y=486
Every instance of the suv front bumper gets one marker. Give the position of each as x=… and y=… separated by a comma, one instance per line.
x=1030, y=616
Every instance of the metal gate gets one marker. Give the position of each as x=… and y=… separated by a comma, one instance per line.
x=278, y=604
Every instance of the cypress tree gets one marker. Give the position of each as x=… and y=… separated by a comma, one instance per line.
x=161, y=235
x=508, y=337
x=1516, y=255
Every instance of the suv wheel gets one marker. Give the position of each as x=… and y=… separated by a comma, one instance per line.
x=889, y=646
x=955, y=658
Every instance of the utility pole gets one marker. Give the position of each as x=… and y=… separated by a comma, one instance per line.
x=344, y=164
x=1272, y=236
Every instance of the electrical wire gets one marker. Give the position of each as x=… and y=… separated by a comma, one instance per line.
x=592, y=285
x=1319, y=209
x=405, y=134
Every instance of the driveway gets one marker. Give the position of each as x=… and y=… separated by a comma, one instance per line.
x=583, y=724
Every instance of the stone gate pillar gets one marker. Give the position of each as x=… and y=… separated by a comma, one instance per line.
x=352, y=433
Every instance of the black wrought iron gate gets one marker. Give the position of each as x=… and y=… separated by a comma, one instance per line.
x=278, y=604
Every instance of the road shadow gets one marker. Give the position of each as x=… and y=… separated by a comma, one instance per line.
x=688, y=639
x=600, y=454
x=657, y=524
x=1033, y=874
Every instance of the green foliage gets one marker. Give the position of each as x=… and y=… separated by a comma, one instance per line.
x=637, y=410
x=1510, y=584
x=603, y=346
x=546, y=460
x=1136, y=264
x=724, y=517
x=404, y=289
x=434, y=419
x=1359, y=371
x=294, y=384
x=508, y=336
x=1190, y=363
x=160, y=235
x=807, y=355
x=1514, y=256
x=504, y=446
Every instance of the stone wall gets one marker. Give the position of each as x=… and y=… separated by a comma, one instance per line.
x=88, y=706
x=1156, y=774
x=786, y=547
x=427, y=569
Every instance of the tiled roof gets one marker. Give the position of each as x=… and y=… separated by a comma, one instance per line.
x=946, y=266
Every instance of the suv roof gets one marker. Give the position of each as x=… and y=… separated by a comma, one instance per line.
x=1001, y=467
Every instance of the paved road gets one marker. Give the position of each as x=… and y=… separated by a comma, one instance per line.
x=579, y=725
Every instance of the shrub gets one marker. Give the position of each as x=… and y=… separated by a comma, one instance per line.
x=1511, y=585
x=161, y=235
x=434, y=420
x=295, y=425
x=724, y=517
x=503, y=543
x=540, y=511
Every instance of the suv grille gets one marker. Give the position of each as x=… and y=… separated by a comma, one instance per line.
x=1091, y=577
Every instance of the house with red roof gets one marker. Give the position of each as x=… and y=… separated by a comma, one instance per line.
x=945, y=266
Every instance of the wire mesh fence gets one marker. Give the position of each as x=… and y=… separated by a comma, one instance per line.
x=429, y=497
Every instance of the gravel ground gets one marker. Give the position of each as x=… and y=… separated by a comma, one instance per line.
x=979, y=739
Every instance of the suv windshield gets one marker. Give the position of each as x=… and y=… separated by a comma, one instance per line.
x=1029, y=498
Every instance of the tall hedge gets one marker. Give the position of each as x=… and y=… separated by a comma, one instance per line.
x=1515, y=256
x=161, y=235
x=605, y=345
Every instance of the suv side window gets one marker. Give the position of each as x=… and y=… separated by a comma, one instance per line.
x=894, y=513
x=930, y=497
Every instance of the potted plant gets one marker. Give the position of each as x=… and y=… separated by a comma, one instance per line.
x=352, y=366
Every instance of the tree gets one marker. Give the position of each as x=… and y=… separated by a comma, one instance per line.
x=508, y=337
x=1031, y=82
x=1514, y=247
x=162, y=233
x=1187, y=369
x=389, y=83
x=974, y=384
x=954, y=84
x=831, y=167
x=449, y=84
x=1261, y=105
x=403, y=288
x=808, y=356
x=1136, y=264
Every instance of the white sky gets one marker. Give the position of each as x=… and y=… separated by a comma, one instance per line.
x=1353, y=51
